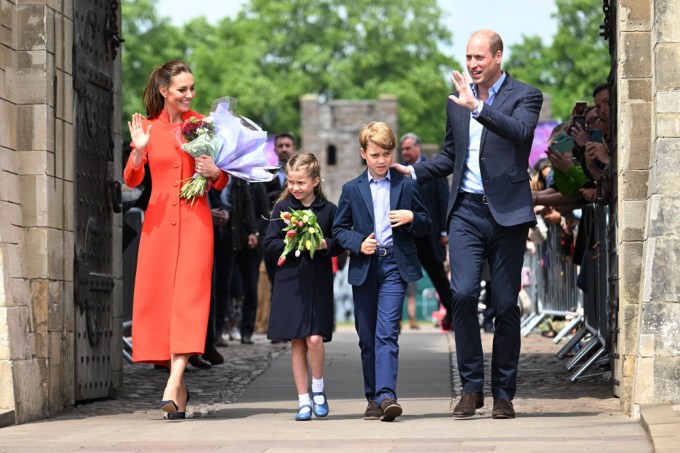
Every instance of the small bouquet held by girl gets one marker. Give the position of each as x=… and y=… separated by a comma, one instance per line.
x=302, y=233
x=234, y=143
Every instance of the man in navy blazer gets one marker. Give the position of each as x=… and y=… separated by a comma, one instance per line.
x=379, y=213
x=489, y=131
x=432, y=248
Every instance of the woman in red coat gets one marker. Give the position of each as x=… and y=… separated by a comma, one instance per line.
x=174, y=266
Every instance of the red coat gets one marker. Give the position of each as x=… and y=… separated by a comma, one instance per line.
x=174, y=264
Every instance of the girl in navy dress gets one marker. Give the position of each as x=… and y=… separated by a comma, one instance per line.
x=302, y=296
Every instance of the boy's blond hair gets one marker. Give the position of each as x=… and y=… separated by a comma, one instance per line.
x=378, y=133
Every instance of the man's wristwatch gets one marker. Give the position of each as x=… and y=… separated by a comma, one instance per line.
x=478, y=110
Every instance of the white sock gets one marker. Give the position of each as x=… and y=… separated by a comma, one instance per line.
x=304, y=400
x=317, y=384
x=317, y=387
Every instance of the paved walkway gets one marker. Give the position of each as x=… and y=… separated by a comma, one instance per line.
x=248, y=404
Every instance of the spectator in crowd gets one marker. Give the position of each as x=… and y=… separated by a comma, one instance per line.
x=284, y=146
x=432, y=248
x=244, y=228
x=601, y=99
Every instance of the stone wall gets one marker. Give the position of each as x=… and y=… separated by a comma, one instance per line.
x=649, y=201
x=36, y=199
x=37, y=331
x=336, y=124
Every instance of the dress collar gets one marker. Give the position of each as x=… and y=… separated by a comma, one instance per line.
x=164, y=117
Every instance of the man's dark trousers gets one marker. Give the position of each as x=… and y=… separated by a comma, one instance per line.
x=475, y=236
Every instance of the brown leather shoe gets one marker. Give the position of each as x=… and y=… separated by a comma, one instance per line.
x=390, y=410
x=468, y=403
x=372, y=412
x=502, y=408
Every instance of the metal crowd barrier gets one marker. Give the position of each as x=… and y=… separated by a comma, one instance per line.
x=555, y=292
x=597, y=310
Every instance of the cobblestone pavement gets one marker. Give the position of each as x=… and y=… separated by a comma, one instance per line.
x=248, y=405
x=211, y=389
x=543, y=382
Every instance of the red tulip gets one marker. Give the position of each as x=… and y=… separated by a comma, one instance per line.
x=281, y=261
x=290, y=233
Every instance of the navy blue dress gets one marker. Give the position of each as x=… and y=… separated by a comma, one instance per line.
x=302, y=296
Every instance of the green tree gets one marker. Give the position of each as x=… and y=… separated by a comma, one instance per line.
x=576, y=61
x=150, y=41
x=228, y=60
x=356, y=49
x=274, y=52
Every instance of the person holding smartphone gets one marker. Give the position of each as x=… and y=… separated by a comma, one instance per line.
x=568, y=174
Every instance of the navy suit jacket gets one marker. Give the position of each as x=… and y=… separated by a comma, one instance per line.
x=508, y=133
x=354, y=222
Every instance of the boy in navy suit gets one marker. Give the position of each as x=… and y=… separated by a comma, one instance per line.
x=378, y=215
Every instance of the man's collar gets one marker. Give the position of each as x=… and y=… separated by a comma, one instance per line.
x=495, y=87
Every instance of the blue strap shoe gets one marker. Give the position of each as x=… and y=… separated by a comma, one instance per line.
x=320, y=410
x=304, y=413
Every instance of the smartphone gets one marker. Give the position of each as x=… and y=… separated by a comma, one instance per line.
x=595, y=135
x=580, y=108
x=581, y=120
x=563, y=143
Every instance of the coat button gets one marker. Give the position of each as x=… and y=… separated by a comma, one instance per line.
x=176, y=165
x=174, y=203
x=175, y=184
x=173, y=222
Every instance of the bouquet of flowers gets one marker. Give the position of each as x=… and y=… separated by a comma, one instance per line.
x=302, y=233
x=199, y=135
x=234, y=143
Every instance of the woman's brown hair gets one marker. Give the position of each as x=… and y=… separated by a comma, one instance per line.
x=161, y=76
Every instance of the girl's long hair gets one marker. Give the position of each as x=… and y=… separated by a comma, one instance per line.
x=161, y=76
x=308, y=163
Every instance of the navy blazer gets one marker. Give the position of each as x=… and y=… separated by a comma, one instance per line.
x=354, y=222
x=508, y=133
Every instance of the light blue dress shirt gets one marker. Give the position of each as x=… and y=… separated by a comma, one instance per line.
x=472, y=174
x=380, y=193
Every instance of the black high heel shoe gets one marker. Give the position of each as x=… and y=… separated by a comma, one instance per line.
x=178, y=415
